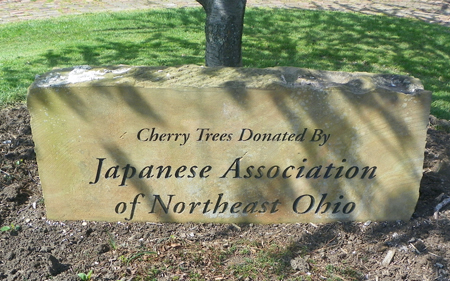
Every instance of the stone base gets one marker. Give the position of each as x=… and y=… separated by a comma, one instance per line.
x=193, y=144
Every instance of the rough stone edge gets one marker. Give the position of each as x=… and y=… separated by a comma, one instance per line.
x=203, y=77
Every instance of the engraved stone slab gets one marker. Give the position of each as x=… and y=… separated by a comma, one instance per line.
x=276, y=145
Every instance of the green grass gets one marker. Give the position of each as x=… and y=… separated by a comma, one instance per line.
x=272, y=37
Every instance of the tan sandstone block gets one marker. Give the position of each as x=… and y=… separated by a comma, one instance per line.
x=234, y=145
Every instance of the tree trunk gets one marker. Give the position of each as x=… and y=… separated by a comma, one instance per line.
x=223, y=29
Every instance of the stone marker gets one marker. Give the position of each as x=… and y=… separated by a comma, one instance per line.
x=275, y=145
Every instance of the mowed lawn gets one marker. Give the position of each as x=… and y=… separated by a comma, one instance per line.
x=272, y=37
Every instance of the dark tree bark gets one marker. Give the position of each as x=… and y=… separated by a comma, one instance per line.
x=223, y=29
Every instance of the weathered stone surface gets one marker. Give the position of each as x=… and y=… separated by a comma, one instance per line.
x=228, y=144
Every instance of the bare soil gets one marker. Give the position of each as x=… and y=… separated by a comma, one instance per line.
x=35, y=248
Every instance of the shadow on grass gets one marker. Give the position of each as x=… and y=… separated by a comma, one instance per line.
x=277, y=37
x=349, y=42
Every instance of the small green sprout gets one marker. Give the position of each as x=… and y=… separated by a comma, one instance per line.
x=128, y=260
x=112, y=240
x=85, y=277
x=11, y=227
